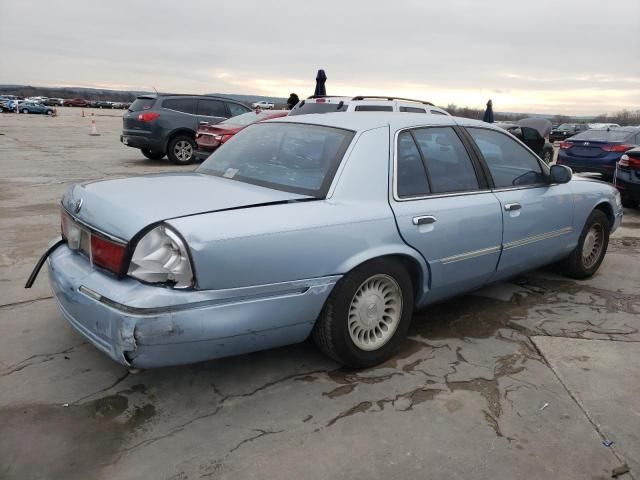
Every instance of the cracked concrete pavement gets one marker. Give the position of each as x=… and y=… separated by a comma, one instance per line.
x=527, y=377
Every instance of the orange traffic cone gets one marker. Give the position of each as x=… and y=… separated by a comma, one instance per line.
x=94, y=130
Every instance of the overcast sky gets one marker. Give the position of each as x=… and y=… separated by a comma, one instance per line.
x=570, y=56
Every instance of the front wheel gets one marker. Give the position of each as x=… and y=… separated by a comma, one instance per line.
x=367, y=315
x=25, y=111
x=181, y=150
x=586, y=258
x=151, y=155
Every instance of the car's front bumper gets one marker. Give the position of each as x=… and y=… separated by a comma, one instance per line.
x=146, y=326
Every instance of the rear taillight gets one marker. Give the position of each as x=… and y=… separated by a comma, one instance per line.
x=107, y=254
x=617, y=148
x=565, y=145
x=629, y=162
x=224, y=138
x=148, y=117
x=321, y=100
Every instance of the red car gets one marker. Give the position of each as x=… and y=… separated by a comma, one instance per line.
x=75, y=102
x=210, y=137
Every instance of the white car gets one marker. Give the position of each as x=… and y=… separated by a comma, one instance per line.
x=328, y=104
x=263, y=105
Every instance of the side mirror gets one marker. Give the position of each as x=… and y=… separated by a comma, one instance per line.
x=560, y=174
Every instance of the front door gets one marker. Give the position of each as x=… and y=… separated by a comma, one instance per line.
x=444, y=209
x=537, y=216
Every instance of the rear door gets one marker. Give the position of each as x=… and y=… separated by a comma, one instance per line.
x=212, y=111
x=537, y=217
x=445, y=210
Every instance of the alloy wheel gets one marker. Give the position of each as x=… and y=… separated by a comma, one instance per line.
x=183, y=151
x=592, y=247
x=375, y=312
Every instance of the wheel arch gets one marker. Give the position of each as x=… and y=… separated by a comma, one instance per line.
x=606, y=208
x=412, y=261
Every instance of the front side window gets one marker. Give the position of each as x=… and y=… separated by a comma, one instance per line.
x=509, y=162
x=449, y=166
x=236, y=109
x=411, y=177
x=291, y=157
x=211, y=108
x=185, y=105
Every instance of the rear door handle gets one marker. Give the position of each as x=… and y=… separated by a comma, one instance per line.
x=424, y=220
x=509, y=207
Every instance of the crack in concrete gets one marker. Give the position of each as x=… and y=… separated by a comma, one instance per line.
x=9, y=306
x=43, y=357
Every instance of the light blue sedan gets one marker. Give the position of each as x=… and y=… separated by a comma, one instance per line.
x=336, y=225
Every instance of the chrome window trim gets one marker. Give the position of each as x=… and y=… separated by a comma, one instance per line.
x=537, y=238
x=394, y=183
x=469, y=255
x=93, y=229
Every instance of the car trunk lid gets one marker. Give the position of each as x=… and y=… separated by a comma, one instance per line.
x=131, y=120
x=123, y=207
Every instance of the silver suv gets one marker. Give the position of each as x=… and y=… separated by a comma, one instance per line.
x=326, y=104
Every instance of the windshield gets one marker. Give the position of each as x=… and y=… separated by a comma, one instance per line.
x=566, y=126
x=291, y=157
x=603, y=135
x=246, y=118
x=314, y=107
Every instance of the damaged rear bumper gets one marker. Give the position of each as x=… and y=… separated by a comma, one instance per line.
x=146, y=326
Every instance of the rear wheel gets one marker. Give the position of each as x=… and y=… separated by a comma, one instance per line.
x=152, y=155
x=367, y=315
x=181, y=150
x=586, y=258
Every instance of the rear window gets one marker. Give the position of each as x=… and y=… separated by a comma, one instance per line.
x=140, y=104
x=612, y=135
x=318, y=108
x=374, y=108
x=291, y=157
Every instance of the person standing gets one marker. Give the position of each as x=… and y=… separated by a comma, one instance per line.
x=292, y=101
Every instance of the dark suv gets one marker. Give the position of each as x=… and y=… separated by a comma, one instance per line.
x=162, y=125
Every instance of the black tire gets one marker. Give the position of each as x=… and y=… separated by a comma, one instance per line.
x=629, y=202
x=576, y=265
x=547, y=156
x=331, y=331
x=152, y=155
x=180, y=155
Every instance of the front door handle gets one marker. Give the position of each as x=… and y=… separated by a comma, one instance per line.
x=424, y=220
x=509, y=207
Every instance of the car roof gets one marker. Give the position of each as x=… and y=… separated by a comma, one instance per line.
x=361, y=121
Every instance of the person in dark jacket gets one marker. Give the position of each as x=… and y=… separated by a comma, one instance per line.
x=292, y=101
x=488, y=113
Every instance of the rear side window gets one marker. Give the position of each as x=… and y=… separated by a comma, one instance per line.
x=212, y=108
x=140, y=104
x=509, y=162
x=185, y=105
x=237, y=109
x=530, y=133
x=374, y=108
x=411, y=177
x=436, y=112
x=412, y=110
x=449, y=166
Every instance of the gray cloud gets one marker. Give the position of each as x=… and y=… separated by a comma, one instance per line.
x=574, y=56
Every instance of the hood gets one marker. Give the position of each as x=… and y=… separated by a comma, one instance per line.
x=124, y=207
